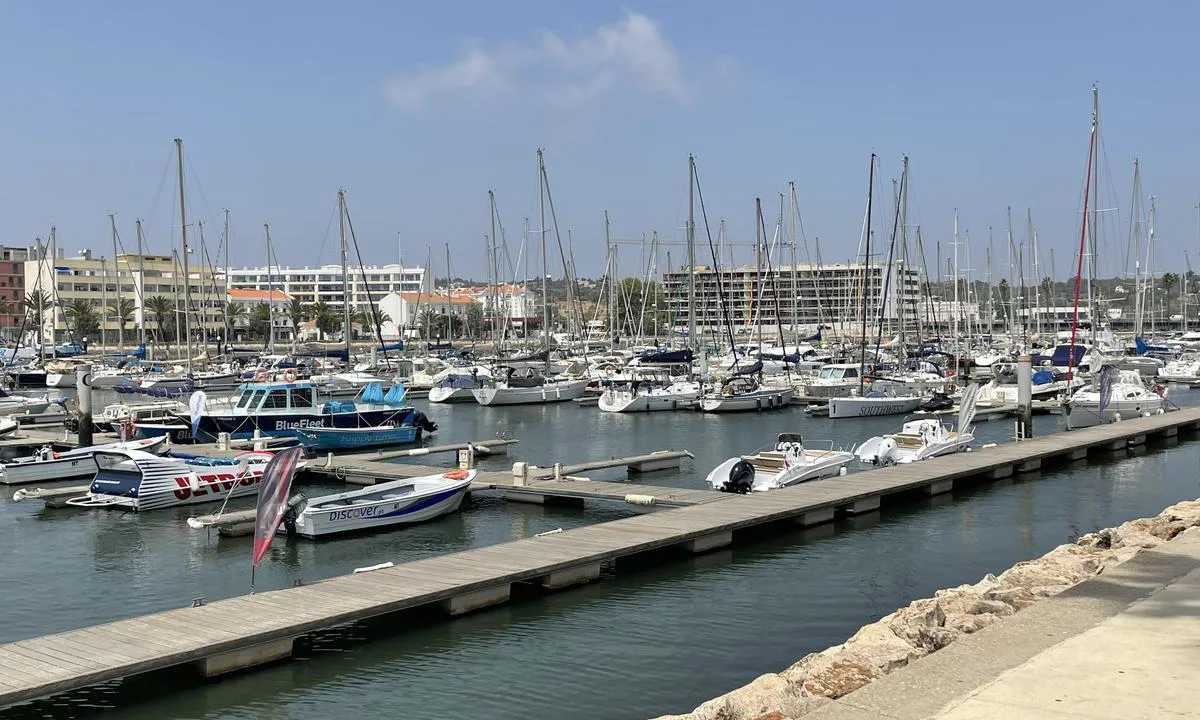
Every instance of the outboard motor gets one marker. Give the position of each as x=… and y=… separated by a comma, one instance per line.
x=741, y=478
x=295, y=506
x=423, y=422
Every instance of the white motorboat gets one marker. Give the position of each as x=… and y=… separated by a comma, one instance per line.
x=742, y=394
x=46, y=465
x=1127, y=397
x=398, y=502
x=787, y=463
x=1185, y=369
x=832, y=380
x=526, y=386
x=148, y=412
x=60, y=379
x=137, y=480
x=10, y=404
x=873, y=404
x=923, y=436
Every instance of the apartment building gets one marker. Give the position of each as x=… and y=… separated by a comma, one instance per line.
x=140, y=279
x=801, y=296
x=309, y=285
x=12, y=286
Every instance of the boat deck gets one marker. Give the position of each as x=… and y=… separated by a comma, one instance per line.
x=254, y=629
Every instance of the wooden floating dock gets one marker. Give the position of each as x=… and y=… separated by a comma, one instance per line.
x=246, y=631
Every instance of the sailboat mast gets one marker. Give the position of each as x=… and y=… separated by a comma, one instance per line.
x=187, y=326
x=862, y=353
x=225, y=299
x=346, y=299
x=492, y=269
x=792, y=212
x=139, y=286
x=116, y=266
x=542, y=235
x=691, y=249
x=612, y=284
x=270, y=291
x=1093, y=319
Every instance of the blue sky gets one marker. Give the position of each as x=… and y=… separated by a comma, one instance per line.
x=417, y=109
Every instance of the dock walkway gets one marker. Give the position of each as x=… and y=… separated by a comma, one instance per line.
x=254, y=629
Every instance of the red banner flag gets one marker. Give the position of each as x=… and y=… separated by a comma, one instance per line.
x=272, y=498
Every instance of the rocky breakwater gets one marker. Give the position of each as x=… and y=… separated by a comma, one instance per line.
x=930, y=624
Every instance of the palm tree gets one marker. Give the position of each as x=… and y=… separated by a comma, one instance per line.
x=373, y=318
x=433, y=323
x=234, y=313
x=163, y=309
x=327, y=317
x=123, y=310
x=296, y=312
x=1169, y=280
x=260, y=320
x=83, y=317
x=36, y=300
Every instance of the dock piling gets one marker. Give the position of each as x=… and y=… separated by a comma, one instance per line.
x=83, y=380
x=1024, y=397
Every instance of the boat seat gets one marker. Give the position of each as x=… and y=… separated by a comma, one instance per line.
x=909, y=441
x=767, y=461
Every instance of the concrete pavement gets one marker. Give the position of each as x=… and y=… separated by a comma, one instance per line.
x=1125, y=644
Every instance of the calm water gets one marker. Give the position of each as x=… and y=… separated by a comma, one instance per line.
x=649, y=638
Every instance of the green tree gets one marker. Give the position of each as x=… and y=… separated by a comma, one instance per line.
x=296, y=312
x=260, y=321
x=432, y=324
x=1047, y=291
x=372, y=319
x=475, y=320
x=1169, y=281
x=163, y=310
x=122, y=311
x=328, y=319
x=235, y=314
x=82, y=315
x=640, y=307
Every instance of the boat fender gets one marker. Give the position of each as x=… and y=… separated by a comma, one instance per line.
x=842, y=470
x=456, y=475
x=741, y=478
x=369, y=568
x=640, y=499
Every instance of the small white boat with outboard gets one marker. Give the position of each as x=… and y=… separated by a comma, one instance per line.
x=787, y=463
x=47, y=465
x=397, y=502
x=923, y=436
x=137, y=480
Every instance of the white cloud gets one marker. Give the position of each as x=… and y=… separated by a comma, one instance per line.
x=631, y=54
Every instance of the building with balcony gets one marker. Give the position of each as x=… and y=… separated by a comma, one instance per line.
x=309, y=285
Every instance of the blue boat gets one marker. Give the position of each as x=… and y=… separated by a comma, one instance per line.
x=332, y=438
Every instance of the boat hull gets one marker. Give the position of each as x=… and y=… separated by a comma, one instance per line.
x=285, y=424
x=60, y=380
x=386, y=511
x=349, y=439
x=68, y=466
x=871, y=407
x=451, y=395
x=624, y=402
x=1087, y=414
x=762, y=400
x=542, y=394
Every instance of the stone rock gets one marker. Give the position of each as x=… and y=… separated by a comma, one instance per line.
x=773, y=715
x=839, y=678
x=967, y=624
x=1045, y=591
x=1018, y=598
x=918, y=624
x=879, y=647
x=770, y=693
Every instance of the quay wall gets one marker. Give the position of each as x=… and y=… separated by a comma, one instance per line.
x=930, y=624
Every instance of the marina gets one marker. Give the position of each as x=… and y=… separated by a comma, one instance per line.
x=459, y=583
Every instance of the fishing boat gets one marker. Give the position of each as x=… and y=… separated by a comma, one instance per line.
x=1121, y=395
x=278, y=409
x=788, y=462
x=314, y=438
x=526, y=386
x=741, y=394
x=398, y=502
x=923, y=436
x=137, y=480
x=47, y=465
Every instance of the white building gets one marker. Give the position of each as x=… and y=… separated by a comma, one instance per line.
x=405, y=310
x=325, y=283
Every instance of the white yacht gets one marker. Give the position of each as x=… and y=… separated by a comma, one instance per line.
x=527, y=386
x=648, y=391
x=1128, y=397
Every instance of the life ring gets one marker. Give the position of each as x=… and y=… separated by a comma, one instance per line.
x=609, y=371
x=289, y=375
x=262, y=376
x=456, y=475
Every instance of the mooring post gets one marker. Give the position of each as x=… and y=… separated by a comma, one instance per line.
x=1024, y=397
x=83, y=381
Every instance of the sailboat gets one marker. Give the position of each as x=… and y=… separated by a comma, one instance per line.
x=1115, y=395
x=511, y=385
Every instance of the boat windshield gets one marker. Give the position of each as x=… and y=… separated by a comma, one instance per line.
x=301, y=398
x=248, y=399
